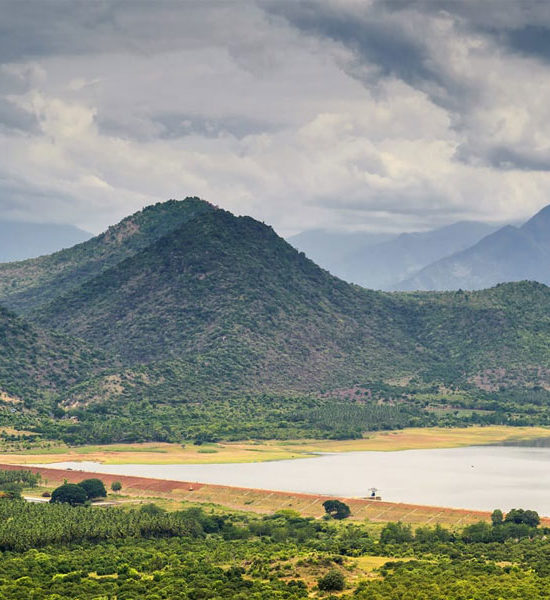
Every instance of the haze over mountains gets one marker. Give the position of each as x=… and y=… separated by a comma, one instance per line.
x=509, y=254
x=375, y=263
x=20, y=240
x=184, y=299
x=464, y=255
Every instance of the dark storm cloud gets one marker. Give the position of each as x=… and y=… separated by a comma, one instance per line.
x=367, y=32
x=533, y=40
x=508, y=158
x=34, y=29
x=400, y=39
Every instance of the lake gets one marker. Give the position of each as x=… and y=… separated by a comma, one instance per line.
x=475, y=477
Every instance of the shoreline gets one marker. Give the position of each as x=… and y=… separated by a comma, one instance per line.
x=153, y=453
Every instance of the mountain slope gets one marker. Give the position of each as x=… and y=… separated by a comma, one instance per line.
x=382, y=265
x=35, y=364
x=31, y=283
x=19, y=240
x=229, y=288
x=509, y=254
x=223, y=301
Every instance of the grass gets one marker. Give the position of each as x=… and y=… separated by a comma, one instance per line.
x=254, y=451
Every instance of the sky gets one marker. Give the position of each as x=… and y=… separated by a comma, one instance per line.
x=339, y=114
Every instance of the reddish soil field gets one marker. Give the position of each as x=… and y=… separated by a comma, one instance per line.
x=266, y=501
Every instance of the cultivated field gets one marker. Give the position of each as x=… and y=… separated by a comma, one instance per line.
x=250, y=451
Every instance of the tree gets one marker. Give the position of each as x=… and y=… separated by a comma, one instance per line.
x=336, y=509
x=396, y=533
x=333, y=581
x=497, y=517
x=69, y=493
x=520, y=516
x=11, y=490
x=116, y=486
x=94, y=488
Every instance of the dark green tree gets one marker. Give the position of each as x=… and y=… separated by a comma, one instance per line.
x=94, y=488
x=69, y=493
x=336, y=509
x=520, y=516
x=497, y=517
x=331, y=582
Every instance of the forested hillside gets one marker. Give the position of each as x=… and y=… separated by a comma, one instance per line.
x=27, y=284
x=225, y=298
x=36, y=364
x=184, y=303
x=63, y=552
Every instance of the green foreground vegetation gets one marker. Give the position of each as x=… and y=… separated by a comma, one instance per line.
x=58, y=551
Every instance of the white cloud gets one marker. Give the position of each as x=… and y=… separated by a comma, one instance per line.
x=261, y=118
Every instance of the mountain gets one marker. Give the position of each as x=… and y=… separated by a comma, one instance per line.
x=330, y=249
x=382, y=265
x=20, y=240
x=223, y=302
x=509, y=254
x=229, y=291
x=28, y=284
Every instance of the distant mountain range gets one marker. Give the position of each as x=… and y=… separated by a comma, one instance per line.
x=21, y=240
x=376, y=263
x=332, y=249
x=184, y=300
x=509, y=254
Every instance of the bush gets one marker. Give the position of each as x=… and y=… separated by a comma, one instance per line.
x=69, y=493
x=333, y=581
x=116, y=486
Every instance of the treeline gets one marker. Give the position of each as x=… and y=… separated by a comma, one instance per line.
x=371, y=407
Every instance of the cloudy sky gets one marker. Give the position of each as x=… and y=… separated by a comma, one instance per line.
x=344, y=114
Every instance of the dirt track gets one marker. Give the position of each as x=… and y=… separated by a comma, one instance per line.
x=265, y=501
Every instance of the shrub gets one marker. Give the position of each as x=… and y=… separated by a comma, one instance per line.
x=116, y=486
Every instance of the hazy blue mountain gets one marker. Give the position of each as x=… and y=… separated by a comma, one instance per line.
x=21, y=240
x=509, y=254
x=382, y=265
x=330, y=248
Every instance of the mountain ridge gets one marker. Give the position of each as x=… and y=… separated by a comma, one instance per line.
x=509, y=254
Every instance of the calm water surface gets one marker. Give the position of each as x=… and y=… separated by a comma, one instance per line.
x=476, y=477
